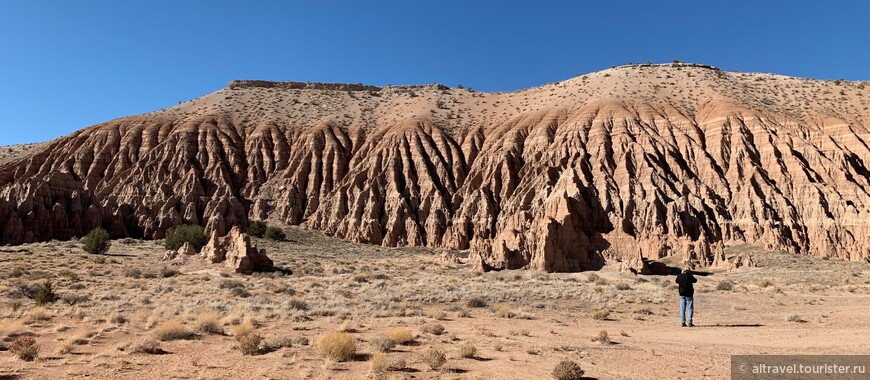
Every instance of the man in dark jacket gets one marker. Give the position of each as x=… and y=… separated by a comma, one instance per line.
x=687, y=294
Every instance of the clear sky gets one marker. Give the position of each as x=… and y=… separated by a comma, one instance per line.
x=66, y=65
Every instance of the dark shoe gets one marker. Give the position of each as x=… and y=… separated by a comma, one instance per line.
x=683, y=325
x=691, y=325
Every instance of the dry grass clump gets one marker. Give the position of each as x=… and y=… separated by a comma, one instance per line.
x=567, y=370
x=382, y=343
x=401, y=335
x=38, y=314
x=378, y=364
x=794, y=318
x=79, y=338
x=208, y=322
x=725, y=285
x=148, y=346
x=433, y=328
x=346, y=327
x=467, y=351
x=249, y=344
x=601, y=314
x=434, y=358
x=173, y=330
x=25, y=348
x=244, y=328
x=603, y=337
x=338, y=347
x=11, y=328
x=502, y=311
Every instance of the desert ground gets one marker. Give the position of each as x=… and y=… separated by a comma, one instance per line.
x=127, y=315
x=10, y=153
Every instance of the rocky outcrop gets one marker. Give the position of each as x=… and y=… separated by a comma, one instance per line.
x=550, y=178
x=185, y=250
x=236, y=252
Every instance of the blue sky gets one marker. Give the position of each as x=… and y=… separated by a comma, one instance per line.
x=66, y=65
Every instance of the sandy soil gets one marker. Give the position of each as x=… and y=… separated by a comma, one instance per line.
x=113, y=303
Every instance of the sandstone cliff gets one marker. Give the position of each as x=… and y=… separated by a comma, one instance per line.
x=637, y=161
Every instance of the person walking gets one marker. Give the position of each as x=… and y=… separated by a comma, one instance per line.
x=687, y=296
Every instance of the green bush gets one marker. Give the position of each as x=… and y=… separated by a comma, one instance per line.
x=275, y=234
x=257, y=228
x=45, y=294
x=97, y=241
x=192, y=234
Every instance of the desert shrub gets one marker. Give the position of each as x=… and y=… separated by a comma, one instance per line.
x=21, y=290
x=301, y=341
x=467, y=351
x=25, y=348
x=192, y=234
x=97, y=241
x=601, y=314
x=207, y=323
x=44, y=294
x=401, y=335
x=382, y=343
x=603, y=337
x=168, y=272
x=275, y=343
x=567, y=370
x=230, y=284
x=118, y=319
x=240, y=292
x=276, y=234
x=725, y=285
x=133, y=273
x=172, y=330
x=434, y=358
x=397, y=364
x=476, y=302
x=249, y=344
x=432, y=328
x=622, y=286
x=339, y=347
x=794, y=318
x=297, y=304
x=257, y=228
x=148, y=346
x=70, y=275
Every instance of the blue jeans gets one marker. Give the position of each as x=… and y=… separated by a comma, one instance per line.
x=686, y=309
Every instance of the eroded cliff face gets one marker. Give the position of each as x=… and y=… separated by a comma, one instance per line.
x=553, y=178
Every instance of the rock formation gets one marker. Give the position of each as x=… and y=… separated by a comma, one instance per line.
x=644, y=161
x=185, y=250
x=236, y=252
